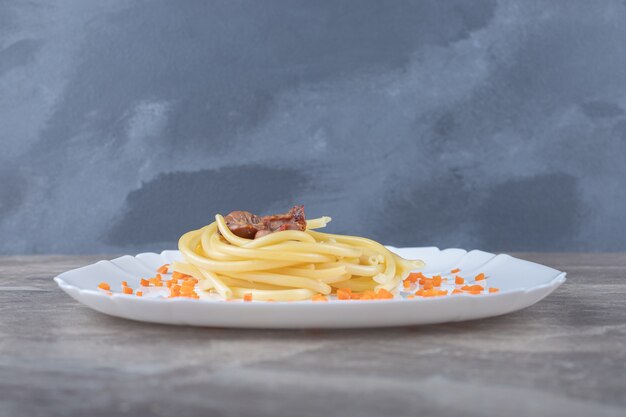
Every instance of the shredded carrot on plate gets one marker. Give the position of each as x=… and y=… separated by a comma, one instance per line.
x=455, y=271
x=144, y=282
x=104, y=286
x=247, y=297
x=319, y=297
x=127, y=290
x=472, y=288
x=459, y=280
x=479, y=277
x=163, y=269
x=383, y=294
x=344, y=293
x=139, y=293
x=175, y=291
x=492, y=290
x=437, y=280
x=124, y=284
x=178, y=275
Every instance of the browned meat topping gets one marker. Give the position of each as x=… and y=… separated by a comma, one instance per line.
x=250, y=226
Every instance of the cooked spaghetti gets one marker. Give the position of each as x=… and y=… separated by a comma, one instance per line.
x=282, y=258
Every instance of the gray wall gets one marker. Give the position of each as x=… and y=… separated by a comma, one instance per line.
x=476, y=124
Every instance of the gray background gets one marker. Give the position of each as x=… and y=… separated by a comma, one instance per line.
x=497, y=125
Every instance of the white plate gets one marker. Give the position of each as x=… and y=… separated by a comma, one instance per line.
x=521, y=284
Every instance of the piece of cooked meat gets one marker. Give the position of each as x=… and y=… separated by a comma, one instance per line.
x=250, y=226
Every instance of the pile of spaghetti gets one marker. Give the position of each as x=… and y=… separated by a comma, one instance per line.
x=282, y=258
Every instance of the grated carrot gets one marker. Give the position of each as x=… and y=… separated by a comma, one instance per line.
x=144, y=282
x=178, y=275
x=127, y=290
x=406, y=283
x=414, y=276
x=455, y=271
x=437, y=280
x=455, y=291
x=124, y=284
x=344, y=293
x=319, y=297
x=492, y=290
x=479, y=277
x=459, y=280
x=383, y=294
x=175, y=291
x=104, y=286
x=163, y=269
x=139, y=293
x=472, y=288
x=247, y=297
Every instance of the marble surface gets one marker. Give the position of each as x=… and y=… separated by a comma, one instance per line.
x=565, y=356
x=495, y=124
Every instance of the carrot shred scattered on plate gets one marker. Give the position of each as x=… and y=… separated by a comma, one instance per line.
x=319, y=297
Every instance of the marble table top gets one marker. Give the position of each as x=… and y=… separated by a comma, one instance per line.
x=565, y=356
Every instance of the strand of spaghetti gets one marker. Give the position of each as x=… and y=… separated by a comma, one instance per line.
x=392, y=285
x=317, y=223
x=321, y=274
x=216, y=283
x=190, y=240
x=369, y=260
x=213, y=248
x=390, y=265
x=353, y=269
x=206, y=239
x=337, y=278
x=365, y=250
x=232, y=238
x=187, y=269
x=323, y=248
x=408, y=264
x=277, y=295
x=282, y=280
x=242, y=283
x=284, y=252
x=273, y=238
x=355, y=284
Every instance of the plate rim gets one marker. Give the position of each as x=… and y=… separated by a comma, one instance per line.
x=558, y=280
